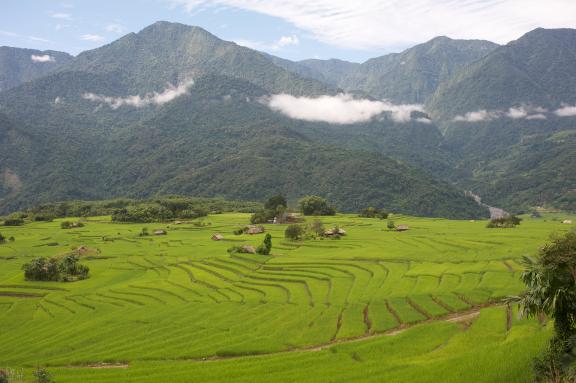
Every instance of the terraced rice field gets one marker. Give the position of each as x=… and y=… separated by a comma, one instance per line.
x=416, y=306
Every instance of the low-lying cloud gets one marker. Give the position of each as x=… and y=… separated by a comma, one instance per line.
x=42, y=59
x=526, y=112
x=339, y=109
x=155, y=98
x=566, y=111
x=519, y=112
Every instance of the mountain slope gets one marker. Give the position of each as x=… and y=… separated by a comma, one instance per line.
x=515, y=160
x=18, y=65
x=413, y=75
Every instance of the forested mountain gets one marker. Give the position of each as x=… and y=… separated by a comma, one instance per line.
x=502, y=116
x=174, y=109
x=18, y=65
x=107, y=125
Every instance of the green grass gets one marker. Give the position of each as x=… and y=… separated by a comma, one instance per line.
x=165, y=304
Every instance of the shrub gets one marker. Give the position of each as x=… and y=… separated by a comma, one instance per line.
x=144, y=232
x=13, y=222
x=371, y=212
x=504, y=222
x=4, y=378
x=262, y=216
x=2, y=238
x=70, y=225
x=390, y=225
x=294, y=232
x=315, y=205
x=266, y=246
x=11, y=239
x=43, y=218
x=317, y=227
x=41, y=375
x=54, y=269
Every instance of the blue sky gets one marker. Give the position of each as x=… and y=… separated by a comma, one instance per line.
x=295, y=29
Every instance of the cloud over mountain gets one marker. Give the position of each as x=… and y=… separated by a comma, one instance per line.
x=340, y=109
x=157, y=98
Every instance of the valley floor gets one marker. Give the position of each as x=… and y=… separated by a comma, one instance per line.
x=417, y=306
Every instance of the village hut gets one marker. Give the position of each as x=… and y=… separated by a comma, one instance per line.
x=567, y=222
x=402, y=227
x=335, y=231
x=253, y=229
x=160, y=232
x=217, y=237
x=248, y=249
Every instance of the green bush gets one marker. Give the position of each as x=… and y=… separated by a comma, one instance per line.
x=315, y=205
x=504, y=222
x=41, y=375
x=390, y=225
x=2, y=239
x=13, y=222
x=53, y=269
x=266, y=246
x=294, y=232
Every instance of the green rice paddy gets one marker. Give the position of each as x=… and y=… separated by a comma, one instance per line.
x=376, y=306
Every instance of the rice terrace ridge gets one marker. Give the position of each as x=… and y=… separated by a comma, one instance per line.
x=216, y=198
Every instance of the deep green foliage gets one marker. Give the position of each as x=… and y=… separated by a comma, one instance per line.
x=41, y=375
x=54, y=269
x=294, y=232
x=2, y=239
x=504, y=222
x=13, y=222
x=266, y=246
x=371, y=212
x=70, y=225
x=551, y=290
x=315, y=205
x=390, y=225
x=4, y=378
x=273, y=202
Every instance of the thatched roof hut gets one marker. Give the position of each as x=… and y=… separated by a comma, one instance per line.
x=253, y=229
x=249, y=249
x=217, y=237
x=402, y=227
x=160, y=232
x=567, y=222
x=335, y=231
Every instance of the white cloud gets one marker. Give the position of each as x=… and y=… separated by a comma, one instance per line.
x=115, y=28
x=527, y=112
x=8, y=33
x=93, y=38
x=390, y=23
x=339, y=109
x=42, y=59
x=538, y=116
x=158, y=98
x=479, y=115
x=39, y=39
x=566, y=111
x=61, y=16
x=274, y=46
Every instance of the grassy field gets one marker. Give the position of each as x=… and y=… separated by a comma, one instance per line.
x=415, y=306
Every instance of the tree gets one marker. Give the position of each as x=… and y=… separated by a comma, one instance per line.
x=315, y=205
x=317, y=227
x=368, y=212
x=551, y=289
x=273, y=202
x=266, y=246
x=2, y=238
x=390, y=225
x=294, y=232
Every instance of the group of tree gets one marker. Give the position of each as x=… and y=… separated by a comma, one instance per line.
x=274, y=207
x=65, y=269
x=315, y=205
x=551, y=290
x=507, y=222
x=180, y=206
x=314, y=230
x=264, y=249
x=372, y=212
x=71, y=225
